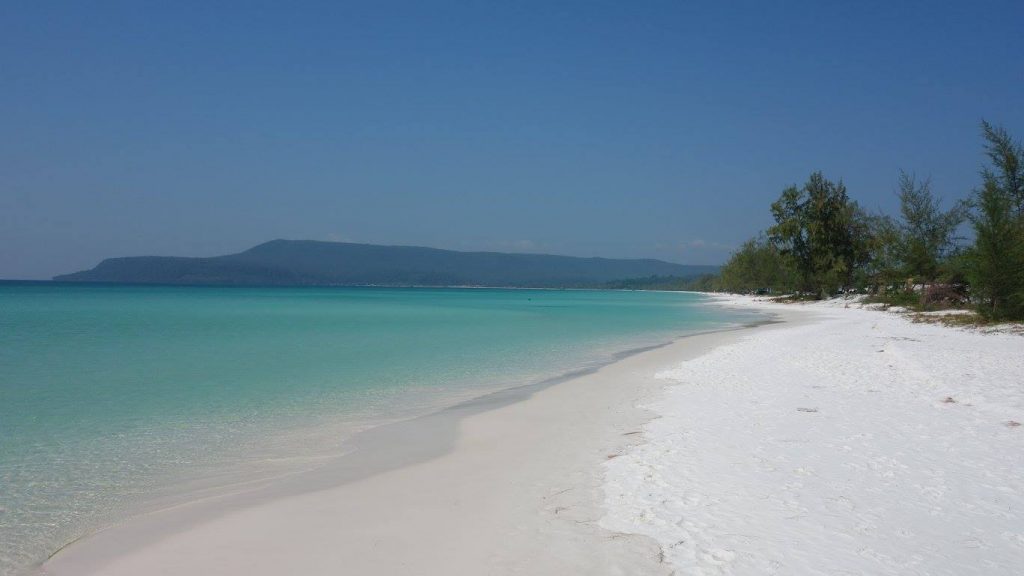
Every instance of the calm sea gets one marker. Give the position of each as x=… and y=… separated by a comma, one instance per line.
x=115, y=397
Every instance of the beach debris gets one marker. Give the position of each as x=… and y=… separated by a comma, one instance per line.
x=949, y=400
x=559, y=493
x=1012, y=424
x=610, y=456
x=631, y=433
x=806, y=409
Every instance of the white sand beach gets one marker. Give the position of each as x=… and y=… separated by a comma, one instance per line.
x=858, y=443
x=842, y=441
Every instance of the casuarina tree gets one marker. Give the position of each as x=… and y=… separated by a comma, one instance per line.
x=997, y=257
x=822, y=231
x=927, y=234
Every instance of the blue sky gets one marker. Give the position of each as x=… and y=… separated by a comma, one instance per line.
x=620, y=129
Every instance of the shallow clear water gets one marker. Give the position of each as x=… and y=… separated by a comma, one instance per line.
x=114, y=396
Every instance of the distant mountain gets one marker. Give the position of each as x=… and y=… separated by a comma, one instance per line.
x=311, y=263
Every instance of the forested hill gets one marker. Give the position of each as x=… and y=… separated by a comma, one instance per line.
x=312, y=263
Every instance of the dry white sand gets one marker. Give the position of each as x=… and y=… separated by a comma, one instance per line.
x=518, y=491
x=860, y=443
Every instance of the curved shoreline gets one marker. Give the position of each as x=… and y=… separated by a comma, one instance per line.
x=388, y=449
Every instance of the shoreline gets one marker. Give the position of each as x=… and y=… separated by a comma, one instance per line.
x=423, y=440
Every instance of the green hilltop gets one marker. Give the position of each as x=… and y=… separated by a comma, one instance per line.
x=314, y=263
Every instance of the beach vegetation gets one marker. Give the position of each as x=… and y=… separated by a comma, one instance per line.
x=824, y=233
x=881, y=272
x=823, y=243
x=995, y=262
x=701, y=283
x=914, y=257
x=758, y=266
x=927, y=234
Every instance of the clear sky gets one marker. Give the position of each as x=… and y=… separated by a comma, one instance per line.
x=620, y=129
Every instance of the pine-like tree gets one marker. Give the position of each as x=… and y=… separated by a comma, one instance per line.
x=997, y=257
x=927, y=234
x=822, y=231
x=1007, y=158
x=757, y=265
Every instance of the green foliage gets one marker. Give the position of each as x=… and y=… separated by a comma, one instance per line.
x=996, y=261
x=905, y=298
x=704, y=283
x=701, y=283
x=1007, y=158
x=882, y=271
x=825, y=234
x=758, y=265
x=956, y=268
x=926, y=233
x=823, y=241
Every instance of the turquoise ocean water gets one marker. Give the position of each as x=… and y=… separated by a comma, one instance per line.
x=113, y=398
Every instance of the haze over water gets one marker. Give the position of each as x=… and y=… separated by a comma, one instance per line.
x=113, y=398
